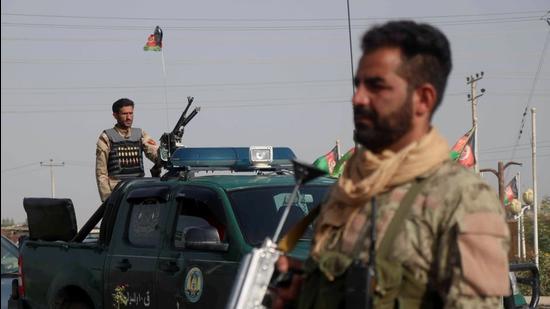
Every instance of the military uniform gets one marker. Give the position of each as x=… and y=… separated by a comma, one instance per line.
x=112, y=166
x=451, y=250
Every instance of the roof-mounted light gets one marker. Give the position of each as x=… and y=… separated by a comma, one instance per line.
x=231, y=158
x=261, y=156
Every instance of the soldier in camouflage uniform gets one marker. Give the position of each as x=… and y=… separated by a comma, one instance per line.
x=119, y=152
x=449, y=250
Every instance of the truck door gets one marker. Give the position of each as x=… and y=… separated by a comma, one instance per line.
x=135, y=247
x=191, y=274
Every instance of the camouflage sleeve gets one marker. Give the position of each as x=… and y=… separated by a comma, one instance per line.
x=150, y=147
x=477, y=240
x=101, y=157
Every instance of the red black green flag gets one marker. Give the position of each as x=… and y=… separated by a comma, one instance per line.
x=154, y=41
x=463, y=150
x=327, y=162
x=511, y=191
x=339, y=168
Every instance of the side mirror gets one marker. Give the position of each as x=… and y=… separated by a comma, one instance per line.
x=204, y=238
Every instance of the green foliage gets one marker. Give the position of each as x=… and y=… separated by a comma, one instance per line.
x=545, y=204
x=7, y=222
x=544, y=247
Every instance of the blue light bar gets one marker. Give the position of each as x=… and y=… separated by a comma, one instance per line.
x=228, y=158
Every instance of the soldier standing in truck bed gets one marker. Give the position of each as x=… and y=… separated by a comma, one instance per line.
x=119, y=152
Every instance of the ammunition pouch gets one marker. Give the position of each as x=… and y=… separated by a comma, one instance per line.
x=125, y=155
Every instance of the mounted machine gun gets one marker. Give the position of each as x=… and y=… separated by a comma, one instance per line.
x=171, y=141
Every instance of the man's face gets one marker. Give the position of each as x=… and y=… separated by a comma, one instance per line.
x=382, y=104
x=125, y=117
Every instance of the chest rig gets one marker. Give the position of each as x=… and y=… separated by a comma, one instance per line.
x=391, y=285
x=126, y=154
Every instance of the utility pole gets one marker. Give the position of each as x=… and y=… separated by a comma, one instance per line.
x=500, y=176
x=501, y=193
x=534, y=173
x=52, y=178
x=472, y=97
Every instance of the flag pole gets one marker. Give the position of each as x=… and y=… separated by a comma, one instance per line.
x=165, y=87
x=520, y=218
x=338, y=153
x=534, y=173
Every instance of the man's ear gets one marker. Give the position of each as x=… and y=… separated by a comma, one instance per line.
x=114, y=116
x=425, y=97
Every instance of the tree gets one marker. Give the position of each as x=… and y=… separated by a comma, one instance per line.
x=545, y=204
x=7, y=222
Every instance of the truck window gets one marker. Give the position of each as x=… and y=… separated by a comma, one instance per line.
x=195, y=213
x=143, y=228
x=184, y=223
x=258, y=210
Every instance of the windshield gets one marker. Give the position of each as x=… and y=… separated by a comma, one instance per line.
x=259, y=210
x=9, y=256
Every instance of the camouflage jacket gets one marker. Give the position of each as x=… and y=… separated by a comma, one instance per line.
x=454, y=241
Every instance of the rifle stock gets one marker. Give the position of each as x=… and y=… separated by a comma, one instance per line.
x=253, y=277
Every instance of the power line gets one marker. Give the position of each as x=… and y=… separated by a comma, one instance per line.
x=528, y=104
x=233, y=106
x=202, y=101
x=519, y=148
x=19, y=167
x=542, y=155
x=511, y=146
x=202, y=28
x=186, y=85
x=261, y=19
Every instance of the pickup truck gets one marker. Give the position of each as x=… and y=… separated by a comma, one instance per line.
x=168, y=242
x=174, y=241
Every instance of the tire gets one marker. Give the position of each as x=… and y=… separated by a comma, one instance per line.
x=76, y=305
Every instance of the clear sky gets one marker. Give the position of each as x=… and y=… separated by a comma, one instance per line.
x=264, y=73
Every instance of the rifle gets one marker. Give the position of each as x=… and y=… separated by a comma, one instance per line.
x=257, y=267
x=170, y=141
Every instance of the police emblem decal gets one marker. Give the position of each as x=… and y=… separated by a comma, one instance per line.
x=193, y=284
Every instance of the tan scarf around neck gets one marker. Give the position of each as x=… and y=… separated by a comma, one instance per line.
x=367, y=174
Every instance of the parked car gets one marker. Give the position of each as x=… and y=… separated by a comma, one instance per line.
x=10, y=268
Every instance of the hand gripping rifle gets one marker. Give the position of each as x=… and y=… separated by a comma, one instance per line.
x=170, y=141
x=258, y=266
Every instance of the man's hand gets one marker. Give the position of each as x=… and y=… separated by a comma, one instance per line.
x=288, y=283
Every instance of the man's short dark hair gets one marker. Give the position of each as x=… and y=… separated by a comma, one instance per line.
x=120, y=103
x=425, y=51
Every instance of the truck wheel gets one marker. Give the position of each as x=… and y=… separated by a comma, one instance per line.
x=76, y=305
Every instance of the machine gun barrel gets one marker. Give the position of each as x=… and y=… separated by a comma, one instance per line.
x=182, y=120
x=169, y=142
x=190, y=117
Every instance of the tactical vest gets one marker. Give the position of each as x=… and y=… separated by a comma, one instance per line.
x=126, y=154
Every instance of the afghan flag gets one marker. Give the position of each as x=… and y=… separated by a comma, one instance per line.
x=511, y=191
x=328, y=161
x=463, y=150
x=339, y=168
x=154, y=41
